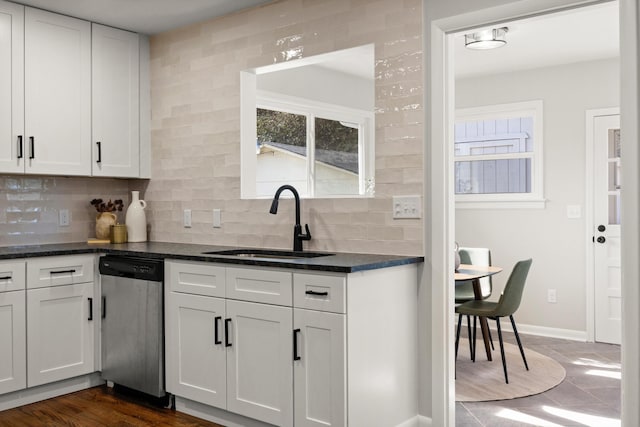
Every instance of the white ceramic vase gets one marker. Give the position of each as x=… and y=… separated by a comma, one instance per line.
x=136, y=219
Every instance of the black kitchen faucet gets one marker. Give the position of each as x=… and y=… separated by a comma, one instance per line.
x=298, y=237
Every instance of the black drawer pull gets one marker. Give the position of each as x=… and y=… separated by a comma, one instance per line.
x=227, y=322
x=20, y=153
x=99, y=152
x=216, y=338
x=62, y=271
x=32, y=154
x=90, y=308
x=5, y=278
x=104, y=307
x=296, y=356
x=322, y=294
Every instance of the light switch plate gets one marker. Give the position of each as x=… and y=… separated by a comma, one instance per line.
x=407, y=207
x=574, y=211
x=217, y=220
x=187, y=218
x=64, y=218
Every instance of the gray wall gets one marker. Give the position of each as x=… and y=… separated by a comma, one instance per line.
x=555, y=242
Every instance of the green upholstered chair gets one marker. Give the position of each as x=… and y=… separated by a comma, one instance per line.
x=506, y=306
x=464, y=290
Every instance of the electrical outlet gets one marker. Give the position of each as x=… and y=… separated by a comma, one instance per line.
x=217, y=221
x=63, y=218
x=551, y=296
x=187, y=218
x=407, y=207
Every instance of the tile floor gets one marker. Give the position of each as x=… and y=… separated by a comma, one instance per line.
x=589, y=395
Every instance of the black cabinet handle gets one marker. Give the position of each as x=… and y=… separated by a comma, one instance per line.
x=227, y=322
x=99, y=152
x=32, y=145
x=216, y=338
x=104, y=307
x=323, y=294
x=5, y=278
x=20, y=153
x=90, y=308
x=62, y=271
x=296, y=356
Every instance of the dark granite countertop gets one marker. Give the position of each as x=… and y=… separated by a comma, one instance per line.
x=343, y=262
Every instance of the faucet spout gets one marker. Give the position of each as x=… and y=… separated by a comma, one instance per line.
x=298, y=236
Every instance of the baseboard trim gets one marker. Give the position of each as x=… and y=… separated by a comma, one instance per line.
x=215, y=415
x=424, y=421
x=543, y=331
x=47, y=391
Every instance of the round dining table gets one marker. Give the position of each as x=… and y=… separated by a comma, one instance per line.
x=474, y=273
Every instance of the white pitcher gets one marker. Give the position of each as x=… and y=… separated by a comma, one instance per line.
x=136, y=219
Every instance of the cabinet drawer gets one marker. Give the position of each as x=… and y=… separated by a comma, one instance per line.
x=316, y=292
x=266, y=286
x=12, y=276
x=59, y=270
x=195, y=278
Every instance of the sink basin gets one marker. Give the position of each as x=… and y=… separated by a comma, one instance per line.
x=268, y=253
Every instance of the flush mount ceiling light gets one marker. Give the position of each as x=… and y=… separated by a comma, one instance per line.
x=488, y=39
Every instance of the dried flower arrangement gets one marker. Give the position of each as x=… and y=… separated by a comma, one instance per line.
x=109, y=206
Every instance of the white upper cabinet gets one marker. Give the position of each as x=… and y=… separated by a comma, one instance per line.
x=12, y=153
x=57, y=94
x=115, y=113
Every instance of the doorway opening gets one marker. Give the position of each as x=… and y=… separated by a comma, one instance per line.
x=554, y=229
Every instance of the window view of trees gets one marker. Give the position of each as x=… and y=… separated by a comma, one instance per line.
x=288, y=128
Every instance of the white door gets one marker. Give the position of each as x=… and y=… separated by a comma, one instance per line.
x=319, y=368
x=13, y=348
x=60, y=332
x=11, y=88
x=195, y=350
x=115, y=98
x=57, y=94
x=260, y=362
x=606, y=228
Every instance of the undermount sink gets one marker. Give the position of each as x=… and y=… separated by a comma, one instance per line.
x=268, y=253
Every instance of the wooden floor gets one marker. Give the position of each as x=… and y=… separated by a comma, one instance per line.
x=98, y=406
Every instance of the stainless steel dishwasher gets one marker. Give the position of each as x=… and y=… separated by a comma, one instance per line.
x=132, y=323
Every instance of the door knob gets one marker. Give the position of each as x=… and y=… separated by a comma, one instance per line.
x=601, y=228
x=601, y=239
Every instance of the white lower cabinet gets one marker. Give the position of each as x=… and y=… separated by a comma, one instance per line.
x=292, y=347
x=233, y=355
x=259, y=355
x=13, y=366
x=13, y=347
x=59, y=333
x=195, y=353
x=319, y=368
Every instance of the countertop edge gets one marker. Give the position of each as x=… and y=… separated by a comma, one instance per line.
x=341, y=262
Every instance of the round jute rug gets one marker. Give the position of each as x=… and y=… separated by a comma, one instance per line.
x=484, y=380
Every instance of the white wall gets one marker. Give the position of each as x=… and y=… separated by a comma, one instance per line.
x=556, y=244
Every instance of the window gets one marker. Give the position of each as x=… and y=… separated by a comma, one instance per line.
x=321, y=150
x=498, y=156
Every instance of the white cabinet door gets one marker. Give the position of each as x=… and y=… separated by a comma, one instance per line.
x=57, y=94
x=60, y=333
x=115, y=98
x=13, y=349
x=259, y=358
x=195, y=350
x=12, y=152
x=320, y=378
